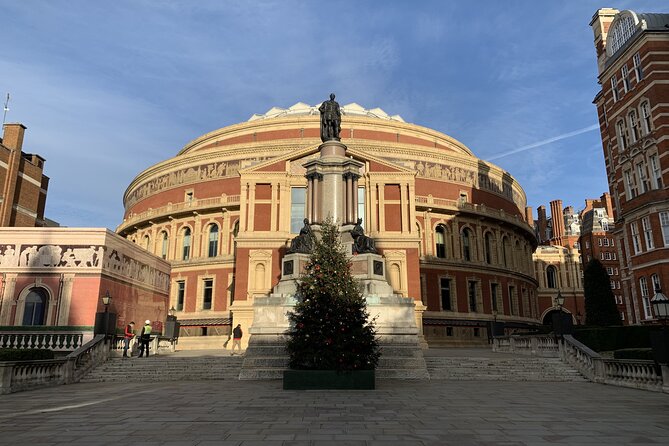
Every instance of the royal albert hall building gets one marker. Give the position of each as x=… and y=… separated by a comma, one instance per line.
x=453, y=228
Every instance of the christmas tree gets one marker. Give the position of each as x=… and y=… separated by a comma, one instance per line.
x=329, y=326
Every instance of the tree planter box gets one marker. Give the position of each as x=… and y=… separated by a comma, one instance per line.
x=328, y=379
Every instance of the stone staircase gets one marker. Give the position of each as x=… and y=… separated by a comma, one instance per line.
x=167, y=368
x=266, y=358
x=500, y=367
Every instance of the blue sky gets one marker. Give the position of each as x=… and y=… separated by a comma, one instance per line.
x=107, y=89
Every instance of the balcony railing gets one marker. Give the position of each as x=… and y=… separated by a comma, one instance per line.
x=171, y=209
x=58, y=341
x=478, y=209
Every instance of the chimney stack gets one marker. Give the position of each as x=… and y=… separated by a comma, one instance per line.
x=541, y=218
x=12, y=137
x=557, y=217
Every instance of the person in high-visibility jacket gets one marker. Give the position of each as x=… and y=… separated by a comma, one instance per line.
x=145, y=338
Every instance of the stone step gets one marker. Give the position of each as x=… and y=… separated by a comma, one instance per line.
x=520, y=368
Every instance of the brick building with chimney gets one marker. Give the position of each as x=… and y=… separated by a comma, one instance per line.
x=633, y=109
x=24, y=185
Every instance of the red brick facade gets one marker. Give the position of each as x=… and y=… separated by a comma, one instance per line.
x=633, y=110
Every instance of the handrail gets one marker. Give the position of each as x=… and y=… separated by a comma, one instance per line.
x=16, y=376
x=637, y=374
x=537, y=345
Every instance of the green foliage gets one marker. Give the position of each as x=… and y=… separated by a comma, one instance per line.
x=600, y=303
x=18, y=354
x=645, y=354
x=329, y=326
x=606, y=339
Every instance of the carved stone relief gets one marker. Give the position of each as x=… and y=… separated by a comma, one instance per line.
x=81, y=257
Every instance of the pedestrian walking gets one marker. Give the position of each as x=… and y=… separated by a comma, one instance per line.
x=145, y=338
x=237, y=334
x=128, y=335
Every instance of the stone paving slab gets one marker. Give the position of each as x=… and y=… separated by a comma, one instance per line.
x=245, y=413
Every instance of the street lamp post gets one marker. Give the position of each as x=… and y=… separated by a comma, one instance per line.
x=558, y=320
x=660, y=340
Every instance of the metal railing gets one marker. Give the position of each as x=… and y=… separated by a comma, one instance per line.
x=159, y=344
x=16, y=376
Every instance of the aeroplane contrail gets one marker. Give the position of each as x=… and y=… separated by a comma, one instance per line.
x=545, y=141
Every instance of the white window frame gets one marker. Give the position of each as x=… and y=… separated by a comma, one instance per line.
x=625, y=75
x=664, y=224
x=656, y=170
x=614, y=88
x=645, y=117
x=645, y=298
x=630, y=184
x=622, y=135
x=636, y=239
x=647, y=232
x=642, y=177
x=635, y=131
x=638, y=70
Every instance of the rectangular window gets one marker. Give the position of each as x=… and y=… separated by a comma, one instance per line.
x=298, y=200
x=630, y=185
x=643, y=179
x=493, y=295
x=609, y=270
x=622, y=135
x=613, y=284
x=664, y=224
x=512, y=295
x=636, y=240
x=656, y=172
x=647, y=232
x=645, y=116
x=445, y=293
x=361, y=204
x=634, y=127
x=587, y=244
x=472, y=296
x=605, y=225
x=607, y=256
x=207, y=294
x=615, y=271
x=624, y=73
x=645, y=298
x=599, y=242
x=181, y=294
x=614, y=88
x=606, y=242
x=638, y=70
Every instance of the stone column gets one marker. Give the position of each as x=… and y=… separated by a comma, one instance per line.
x=309, y=197
x=349, y=197
x=65, y=299
x=7, y=298
x=355, y=198
x=404, y=208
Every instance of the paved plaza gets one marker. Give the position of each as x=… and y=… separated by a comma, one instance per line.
x=398, y=413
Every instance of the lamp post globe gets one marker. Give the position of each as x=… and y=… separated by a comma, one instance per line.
x=660, y=304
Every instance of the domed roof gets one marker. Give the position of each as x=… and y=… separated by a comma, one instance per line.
x=302, y=109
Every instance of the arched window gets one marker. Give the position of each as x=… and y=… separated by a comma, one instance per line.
x=186, y=244
x=147, y=242
x=488, y=248
x=213, y=240
x=440, y=242
x=551, y=277
x=466, y=245
x=163, y=245
x=34, y=311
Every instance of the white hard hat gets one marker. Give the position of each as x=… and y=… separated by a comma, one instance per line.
x=147, y=321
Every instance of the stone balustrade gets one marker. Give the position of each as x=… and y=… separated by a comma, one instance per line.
x=57, y=341
x=637, y=374
x=528, y=345
x=16, y=376
x=174, y=208
x=478, y=209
